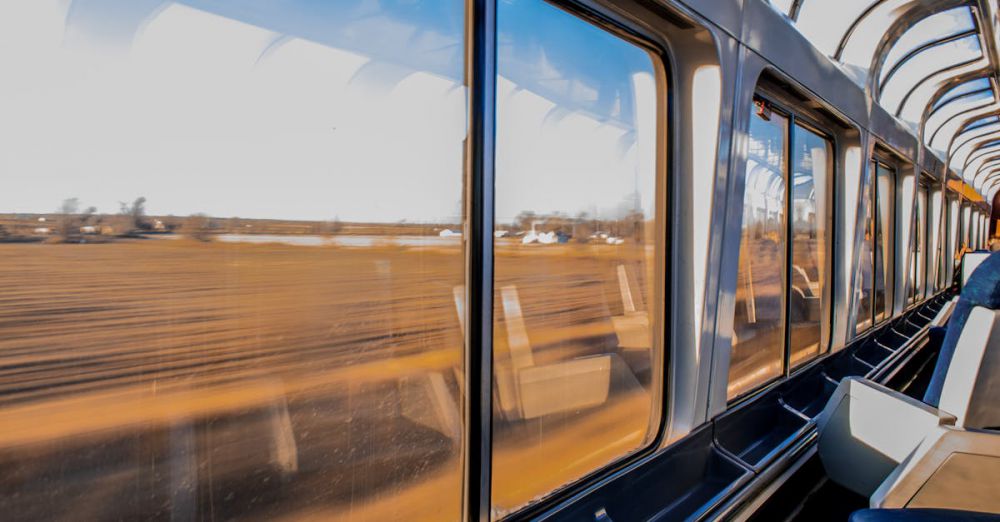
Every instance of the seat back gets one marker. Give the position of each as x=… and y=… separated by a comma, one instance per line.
x=982, y=289
x=970, y=262
x=971, y=389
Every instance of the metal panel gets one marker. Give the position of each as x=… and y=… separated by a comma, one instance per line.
x=892, y=133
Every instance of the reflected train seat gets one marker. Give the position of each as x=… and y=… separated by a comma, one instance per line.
x=632, y=327
x=901, y=452
x=527, y=390
x=431, y=399
x=807, y=292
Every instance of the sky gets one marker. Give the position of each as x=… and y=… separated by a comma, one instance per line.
x=304, y=109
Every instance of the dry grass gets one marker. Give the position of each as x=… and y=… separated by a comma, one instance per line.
x=108, y=350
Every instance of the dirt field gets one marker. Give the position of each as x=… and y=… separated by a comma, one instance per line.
x=179, y=379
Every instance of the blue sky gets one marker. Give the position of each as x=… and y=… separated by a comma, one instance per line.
x=307, y=109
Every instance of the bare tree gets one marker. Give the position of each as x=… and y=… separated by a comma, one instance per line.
x=199, y=227
x=137, y=212
x=69, y=224
x=69, y=206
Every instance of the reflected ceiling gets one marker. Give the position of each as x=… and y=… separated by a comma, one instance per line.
x=930, y=63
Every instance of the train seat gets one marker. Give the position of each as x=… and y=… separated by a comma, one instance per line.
x=893, y=448
x=981, y=290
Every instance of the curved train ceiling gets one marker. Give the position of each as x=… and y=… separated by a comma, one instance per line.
x=933, y=64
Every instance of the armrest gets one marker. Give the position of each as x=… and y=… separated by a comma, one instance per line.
x=950, y=469
x=866, y=430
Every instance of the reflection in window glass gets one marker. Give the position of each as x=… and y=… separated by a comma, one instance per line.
x=863, y=280
x=575, y=343
x=759, y=321
x=884, y=227
x=811, y=158
x=267, y=326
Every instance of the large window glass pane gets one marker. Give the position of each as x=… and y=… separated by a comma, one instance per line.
x=984, y=237
x=230, y=255
x=953, y=114
x=963, y=89
x=943, y=124
x=863, y=41
x=924, y=92
x=973, y=232
x=924, y=63
x=919, y=262
x=884, y=279
x=952, y=224
x=825, y=23
x=759, y=321
x=966, y=228
x=930, y=29
x=966, y=142
x=811, y=165
x=934, y=240
x=576, y=339
x=863, y=280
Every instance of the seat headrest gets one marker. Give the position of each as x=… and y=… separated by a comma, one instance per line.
x=982, y=289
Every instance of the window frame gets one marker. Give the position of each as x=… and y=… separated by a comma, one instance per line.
x=890, y=164
x=881, y=157
x=625, y=26
x=778, y=101
x=919, y=291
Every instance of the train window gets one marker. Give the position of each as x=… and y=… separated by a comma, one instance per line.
x=918, y=246
x=981, y=227
x=873, y=296
x=951, y=259
x=759, y=321
x=966, y=227
x=267, y=327
x=863, y=295
x=774, y=283
x=884, y=241
x=935, y=240
x=576, y=338
x=970, y=229
x=945, y=235
x=811, y=166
